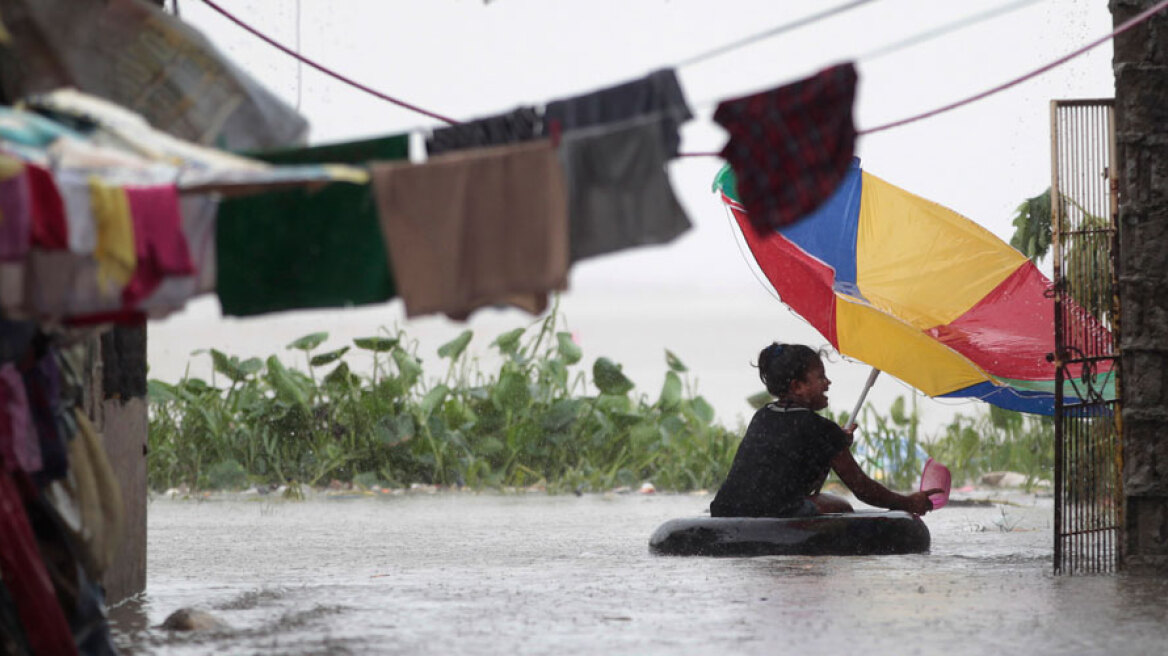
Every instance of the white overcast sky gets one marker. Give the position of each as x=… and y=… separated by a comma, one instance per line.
x=464, y=59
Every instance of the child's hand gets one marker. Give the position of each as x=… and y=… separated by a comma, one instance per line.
x=919, y=502
x=850, y=431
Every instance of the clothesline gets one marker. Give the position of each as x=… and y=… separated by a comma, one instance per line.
x=326, y=70
x=295, y=53
x=1127, y=25
x=915, y=39
x=1134, y=21
x=774, y=31
x=942, y=30
x=63, y=188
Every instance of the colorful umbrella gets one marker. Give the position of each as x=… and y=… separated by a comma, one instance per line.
x=919, y=291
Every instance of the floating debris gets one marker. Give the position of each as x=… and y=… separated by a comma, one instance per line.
x=193, y=619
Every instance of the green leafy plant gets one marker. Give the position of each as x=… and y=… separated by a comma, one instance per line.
x=541, y=417
x=537, y=419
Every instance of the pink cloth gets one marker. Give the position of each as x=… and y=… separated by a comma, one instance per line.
x=15, y=217
x=49, y=229
x=159, y=241
x=200, y=218
x=27, y=578
x=19, y=446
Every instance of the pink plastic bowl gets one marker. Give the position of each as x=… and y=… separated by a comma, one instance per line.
x=936, y=475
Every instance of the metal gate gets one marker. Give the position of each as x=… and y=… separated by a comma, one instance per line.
x=1088, y=493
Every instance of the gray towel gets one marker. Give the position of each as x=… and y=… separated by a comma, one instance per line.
x=619, y=194
x=656, y=93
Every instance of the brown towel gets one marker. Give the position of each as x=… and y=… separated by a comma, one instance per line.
x=476, y=228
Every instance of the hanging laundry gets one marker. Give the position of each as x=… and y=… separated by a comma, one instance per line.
x=42, y=385
x=74, y=362
x=15, y=210
x=64, y=285
x=159, y=242
x=15, y=338
x=45, y=627
x=11, y=630
x=306, y=249
x=78, y=203
x=520, y=124
x=59, y=284
x=47, y=210
x=18, y=443
x=199, y=218
x=657, y=93
x=476, y=228
x=114, y=252
x=790, y=147
x=619, y=194
x=25, y=133
x=12, y=290
x=93, y=496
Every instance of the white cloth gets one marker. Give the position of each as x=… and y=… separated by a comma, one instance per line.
x=74, y=188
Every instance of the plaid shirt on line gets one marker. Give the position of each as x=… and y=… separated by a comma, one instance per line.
x=791, y=146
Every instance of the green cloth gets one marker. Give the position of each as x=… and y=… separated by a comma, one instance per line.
x=306, y=248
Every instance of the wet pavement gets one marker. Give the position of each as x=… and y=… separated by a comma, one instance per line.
x=464, y=573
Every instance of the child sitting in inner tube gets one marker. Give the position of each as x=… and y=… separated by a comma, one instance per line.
x=788, y=449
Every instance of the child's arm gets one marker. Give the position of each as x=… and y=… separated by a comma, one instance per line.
x=875, y=494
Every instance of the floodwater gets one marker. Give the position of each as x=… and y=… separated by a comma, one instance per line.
x=464, y=573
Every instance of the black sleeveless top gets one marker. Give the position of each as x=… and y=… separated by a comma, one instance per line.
x=785, y=454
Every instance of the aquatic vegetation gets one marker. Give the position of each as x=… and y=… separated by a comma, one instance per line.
x=538, y=419
x=999, y=440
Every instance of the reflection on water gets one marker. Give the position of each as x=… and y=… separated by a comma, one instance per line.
x=464, y=573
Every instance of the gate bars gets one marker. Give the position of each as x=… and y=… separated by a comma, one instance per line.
x=1087, y=484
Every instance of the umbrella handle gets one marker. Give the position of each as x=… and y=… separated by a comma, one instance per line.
x=863, y=395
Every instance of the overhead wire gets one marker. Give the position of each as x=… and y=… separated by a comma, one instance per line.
x=1127, y=25
x=299, y=64
x=772, y=32
x=735, y=45
x=942, y=30
x=324, y=69
x=915, y=39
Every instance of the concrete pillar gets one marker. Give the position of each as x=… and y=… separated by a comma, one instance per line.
x=1141, y=102
x=120, y=410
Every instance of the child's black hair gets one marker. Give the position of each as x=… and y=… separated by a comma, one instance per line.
x=781, y=364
